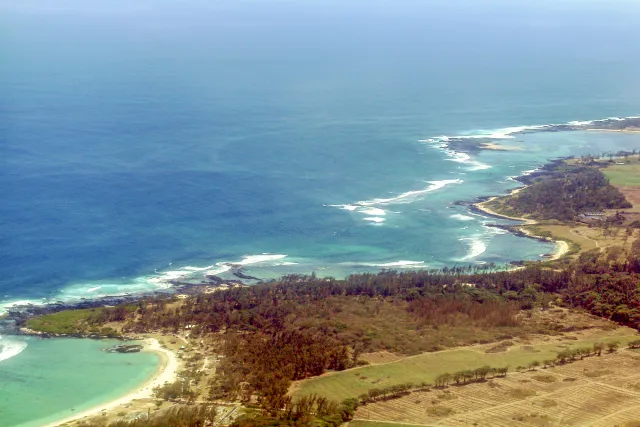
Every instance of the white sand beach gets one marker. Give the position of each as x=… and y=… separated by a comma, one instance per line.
x=562, y=247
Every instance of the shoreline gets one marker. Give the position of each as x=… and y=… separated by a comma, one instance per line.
x=166, y=372
x=562, y=247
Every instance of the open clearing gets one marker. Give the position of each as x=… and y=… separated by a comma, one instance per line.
x=425, y=367
x=627, y=175
x=627, y=178
x=585, y=238
x=595, y=391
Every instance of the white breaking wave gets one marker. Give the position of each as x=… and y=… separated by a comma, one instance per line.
x=457, y=156
x=461, y=217
x=410, y=196
x=493, y=230
x=10, y=347
x=375, y=219
x=376, y=215
x=158, y=281
x=373, y=211
x=442, y=142
x=258, y=259
x=7, y=305
x=476, y=248
x=510, y=132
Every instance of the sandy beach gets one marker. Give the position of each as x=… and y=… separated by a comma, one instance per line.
x=166, y=372
x=562, y=247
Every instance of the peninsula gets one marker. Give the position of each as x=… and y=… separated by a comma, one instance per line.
x=410, y=347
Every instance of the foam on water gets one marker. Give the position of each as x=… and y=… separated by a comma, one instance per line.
x=511, y=132
x=410, y=196
x=373, y=211
x=376, y=215
x=461, y=217
x=375, y=219
x=158, y=281
x=476, y=247
x=10, y=347
x=258, y=259
x=493, y=231
x=458, y=157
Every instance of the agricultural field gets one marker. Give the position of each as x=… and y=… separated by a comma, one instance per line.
x=595, y=391
x=512, y=352
x=362, y=423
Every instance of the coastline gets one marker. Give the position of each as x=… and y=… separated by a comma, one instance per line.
x=562, y=247
x=166, y=372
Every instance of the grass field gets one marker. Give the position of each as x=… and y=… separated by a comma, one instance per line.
x=71, y=322
x=426, y=367
x=627, y=175
x=64, y=322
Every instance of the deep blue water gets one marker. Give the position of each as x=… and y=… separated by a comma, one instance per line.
x=139, y=138
x=152, y=139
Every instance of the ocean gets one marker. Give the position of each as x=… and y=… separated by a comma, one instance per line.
x=154, y=140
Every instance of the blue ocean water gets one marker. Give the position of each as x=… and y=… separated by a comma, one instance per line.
x=148, y=140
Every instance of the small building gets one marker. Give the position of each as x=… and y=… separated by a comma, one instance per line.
x=593, y=216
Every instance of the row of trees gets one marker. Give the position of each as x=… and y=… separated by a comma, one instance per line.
x=391, y=392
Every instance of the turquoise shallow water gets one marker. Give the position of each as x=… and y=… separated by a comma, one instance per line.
x=55, y=378
x=150, y=140
x=146, y=141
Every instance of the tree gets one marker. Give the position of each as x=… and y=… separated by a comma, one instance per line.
x=597, y=348
x=467, y=375
x=613, y=346
x=482, y=372
x=584, y=352
x=561, y=357
x=443, y=380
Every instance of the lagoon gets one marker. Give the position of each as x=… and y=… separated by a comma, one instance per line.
x=55, y=378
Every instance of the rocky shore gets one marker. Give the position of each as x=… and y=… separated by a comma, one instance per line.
x=476, y=144
x=14, y=321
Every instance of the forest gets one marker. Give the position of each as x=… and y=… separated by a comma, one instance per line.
x=565, y=192
x=276, y=333
x=273, y=334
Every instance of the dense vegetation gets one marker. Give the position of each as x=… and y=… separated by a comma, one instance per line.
x=88, y=321
x=273, y=334
x=565, y=193
x=196, y=416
